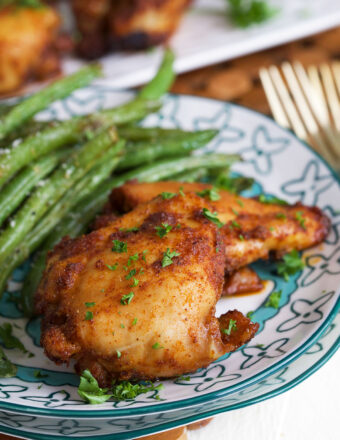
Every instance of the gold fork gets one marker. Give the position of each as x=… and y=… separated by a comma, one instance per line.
x=307, y=101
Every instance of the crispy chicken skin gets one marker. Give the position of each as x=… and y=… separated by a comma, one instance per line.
x=258, y=231
x=26, y=37
x=125, y=24
x=176, y=331
x=244, y=280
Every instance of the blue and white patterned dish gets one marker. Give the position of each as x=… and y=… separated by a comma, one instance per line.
x=269, y=364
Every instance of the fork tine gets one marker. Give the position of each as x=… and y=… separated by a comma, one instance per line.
x=330, y=90
x=287, y=103
x=312, y=89
x=336, y=73
x=273, y=99
x=300, y=100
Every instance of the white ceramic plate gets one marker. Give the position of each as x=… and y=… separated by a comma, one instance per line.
x=206, y=36
x=282, y=166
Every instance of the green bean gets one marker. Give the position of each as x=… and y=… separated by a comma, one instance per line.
x=82, y=188
x=143, y=152
x=135, y=133
x=21, y=185
x=16, y=137
x=67, y=132
x=160, y=170
x=190, y=176
x=80, y=162
x=27, y=108
x=163, y=79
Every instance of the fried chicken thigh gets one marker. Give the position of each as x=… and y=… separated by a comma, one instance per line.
x=130, y=304
x=135, y=299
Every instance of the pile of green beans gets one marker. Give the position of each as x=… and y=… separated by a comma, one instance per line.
x=55, y=176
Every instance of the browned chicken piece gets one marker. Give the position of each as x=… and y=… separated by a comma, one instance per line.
x=244, y=280
x=134, y=304
x=125, y=24
x=252, y=230
x=26, y=45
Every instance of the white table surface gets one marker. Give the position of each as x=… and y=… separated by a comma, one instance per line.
x=310, y=411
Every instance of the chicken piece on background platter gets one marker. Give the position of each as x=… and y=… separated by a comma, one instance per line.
x=125, y=24
x=27, y=36
x=137, y=304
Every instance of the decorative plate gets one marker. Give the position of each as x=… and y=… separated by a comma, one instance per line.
x=282, y=165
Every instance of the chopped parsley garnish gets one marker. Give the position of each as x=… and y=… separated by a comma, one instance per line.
x=132, y=258
x=119, y=246
x=90, y=304
x=131, y=274
x=167, y=195
x=90, y=391
x=235, y=212
x=233, y=184
x=300, y=219
x=250, y=314
x=231, y=326
x=135, y=282
x=126, y=299
x=143, y=254
x=211, y=193
x=113, y=267
x=7, y=369
x=212, y=216
x=8, y=339
x=88, y=316
x=271, y=200
x=118, y=354
x=245, y=13
x=168, y=256
x=281, y=215
x=239, y=202
x=122, y=325
x=133, y=229
x=39, y=375
x=127, y=391
x=241, y=237
x=291, y=264
x=234, y=224
x=274, y=299
x=217, y=250
x=163, y=230
x=181, y=192
x=186, y=378
x=272, y=229
x=157, y=346
x=134, y=322
x=259, y=345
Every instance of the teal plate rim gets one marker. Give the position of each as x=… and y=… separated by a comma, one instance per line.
x=175, y=405
x=187, y=420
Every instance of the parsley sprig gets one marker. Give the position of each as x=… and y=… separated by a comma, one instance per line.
x=119, y=246
x=211, y=193
x=127, y=298
x=231, y=326
x=212, y=216
x=245, y=13
x=274, y=299
x=291, y=264
x=163, y=230
x=168, y=256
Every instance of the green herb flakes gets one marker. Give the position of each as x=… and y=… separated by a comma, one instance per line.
x=212, y=216
x=291, y=264
x=231, y=326
x=126, y=299
x=168, y=256
x=119, y=246
x=163, y=230
x=212, y=194
x=274, y=299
